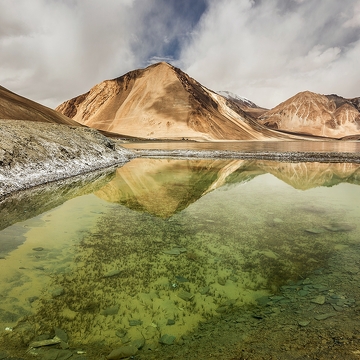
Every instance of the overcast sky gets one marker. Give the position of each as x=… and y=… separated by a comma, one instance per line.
x=265, y=50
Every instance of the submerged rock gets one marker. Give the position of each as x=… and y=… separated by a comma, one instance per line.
x=185, y=295
x=167, y=339
x=325, y=316
x=135, y=322
x=53, y=341
x=122, y=352
x=112, y=273
x=138, y=343
x=174, y=251
x=57, y=292
x=38, y=248
x=339, y=227
x=315, y=230
x=319, y=300
x=112, y=310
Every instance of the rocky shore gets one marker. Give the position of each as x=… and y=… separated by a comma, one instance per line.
x=34, y=153
x=324, y=157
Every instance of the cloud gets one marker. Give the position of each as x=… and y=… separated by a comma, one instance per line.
x=52, y=50
x=270, y=50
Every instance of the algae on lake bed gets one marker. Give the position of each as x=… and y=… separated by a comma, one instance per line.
x=128, y=274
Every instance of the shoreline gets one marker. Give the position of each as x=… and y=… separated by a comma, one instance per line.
x=13, y=182
x=333, y=157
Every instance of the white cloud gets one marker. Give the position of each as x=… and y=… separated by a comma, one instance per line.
x=52, y=50
x=268, y=51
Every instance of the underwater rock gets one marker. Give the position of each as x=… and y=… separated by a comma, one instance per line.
x=57, y=292
x=121, y=333
x=135, y=322
x=221, y=280
x=112, y=310
x=41, y=343
x=204, y=290
x=185, y=295
x=138, y=343
x=315, y=230
x=170, y=322
x=122, y=352
x=57, y=354
x=303, y=323
x=175, y=251
x=112, y=273
x=181, y=279
x=339, y=227
x=38, y=248
x=325, y=316
x=221, y=309
x=61, y=334
x=68, y=314
x=167, y=339
x=319, y=300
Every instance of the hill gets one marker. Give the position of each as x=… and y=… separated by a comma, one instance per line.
x=162, y=102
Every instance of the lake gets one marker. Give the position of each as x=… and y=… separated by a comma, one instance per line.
x=202, y=258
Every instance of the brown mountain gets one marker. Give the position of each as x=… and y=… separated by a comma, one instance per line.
x=163, y=102
x=314, y=114
x=16, y=107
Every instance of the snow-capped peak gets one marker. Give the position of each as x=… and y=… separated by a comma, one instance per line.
x=231, y=96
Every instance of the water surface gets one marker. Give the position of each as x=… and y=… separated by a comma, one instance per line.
x=210, y=252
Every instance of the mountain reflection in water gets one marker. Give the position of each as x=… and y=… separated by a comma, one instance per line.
x=163, y=187
x=216, y=251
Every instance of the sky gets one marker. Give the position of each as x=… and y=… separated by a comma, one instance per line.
x=264, y=50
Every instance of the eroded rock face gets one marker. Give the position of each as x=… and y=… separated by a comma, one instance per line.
x=162, y=102
x=314, y=114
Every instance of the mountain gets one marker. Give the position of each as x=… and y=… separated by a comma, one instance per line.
x=16, y=107
x=242, y=105
x=242, y=101
x=309, y=113
x=163, y=102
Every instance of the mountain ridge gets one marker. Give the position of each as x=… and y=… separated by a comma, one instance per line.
x=163, y=102
x=309, y=113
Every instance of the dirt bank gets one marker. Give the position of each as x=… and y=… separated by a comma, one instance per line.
x=34, y=153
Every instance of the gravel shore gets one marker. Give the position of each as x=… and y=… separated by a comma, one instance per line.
x=334, y=157
x=34, y=153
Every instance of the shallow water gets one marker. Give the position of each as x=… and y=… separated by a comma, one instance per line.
x=167, y=247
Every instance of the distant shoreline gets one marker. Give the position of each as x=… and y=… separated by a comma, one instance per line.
x=324, y=157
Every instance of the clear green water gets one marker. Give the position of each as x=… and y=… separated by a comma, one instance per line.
x=203, y=250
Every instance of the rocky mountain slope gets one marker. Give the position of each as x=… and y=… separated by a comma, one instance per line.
x=163, y=102
x=241, y=104
x=16, y=107
x=314, y=114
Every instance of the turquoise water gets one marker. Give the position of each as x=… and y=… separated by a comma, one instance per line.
x=210, y=256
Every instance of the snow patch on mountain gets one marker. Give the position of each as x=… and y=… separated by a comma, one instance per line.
x=231, y=96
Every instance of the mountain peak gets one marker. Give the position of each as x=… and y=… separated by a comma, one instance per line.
x=162, y=102
x=315, y=114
